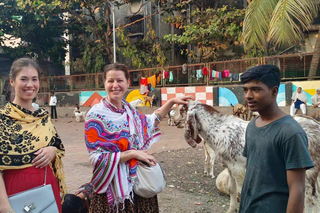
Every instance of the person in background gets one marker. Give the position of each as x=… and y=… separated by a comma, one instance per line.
x=316, y=99
x=33, y=145
x=117, y=136
x=53, y=105
x=35, y=104
x=299, y=101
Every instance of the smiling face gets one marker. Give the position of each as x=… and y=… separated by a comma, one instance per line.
x=259, y=96
x=26, y=85
x=116, y=85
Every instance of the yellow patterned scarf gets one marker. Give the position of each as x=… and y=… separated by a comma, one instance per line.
x=22, y=133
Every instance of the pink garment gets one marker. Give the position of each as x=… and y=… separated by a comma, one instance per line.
x=217, y=74
x=226, y=74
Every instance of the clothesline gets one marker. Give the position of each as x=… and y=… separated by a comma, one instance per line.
x=200, y=73
x=149, y=84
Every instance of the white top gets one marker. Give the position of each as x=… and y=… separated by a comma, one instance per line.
x=53, y=101
x=316, y=98
x=301, y=96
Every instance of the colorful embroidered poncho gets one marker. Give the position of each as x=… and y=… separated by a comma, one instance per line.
x=110, y=131
x=23, y=133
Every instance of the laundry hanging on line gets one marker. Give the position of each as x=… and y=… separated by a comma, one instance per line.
x=170, y=77
x=143, y=86
x=205, y=71
x=199, y=74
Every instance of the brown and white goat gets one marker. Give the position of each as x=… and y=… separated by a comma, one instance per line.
x=244, y=110
x=225, y=134
x=239, y=110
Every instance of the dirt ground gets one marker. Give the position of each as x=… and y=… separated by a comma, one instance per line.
x=187, y=189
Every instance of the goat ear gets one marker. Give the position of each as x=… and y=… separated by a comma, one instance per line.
x=191, y=131
x=192, y=123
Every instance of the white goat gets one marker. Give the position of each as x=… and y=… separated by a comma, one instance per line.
x=208, y=152
x=225, y=134
x=80, y=116
x=208, y=160
x=136, y=103
x=170, y=115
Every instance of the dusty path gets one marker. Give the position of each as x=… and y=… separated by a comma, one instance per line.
x=187, y=190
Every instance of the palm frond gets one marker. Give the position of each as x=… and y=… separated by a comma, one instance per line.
x=256, y=22
x=289, y=19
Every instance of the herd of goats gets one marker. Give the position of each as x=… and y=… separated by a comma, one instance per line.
x=224, y=138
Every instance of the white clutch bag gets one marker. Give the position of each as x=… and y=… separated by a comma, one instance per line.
x=35, y=200
x=151, y=180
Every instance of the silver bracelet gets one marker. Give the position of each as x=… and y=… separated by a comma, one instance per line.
x=11, y=211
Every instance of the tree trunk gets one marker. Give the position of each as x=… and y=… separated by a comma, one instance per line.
x=108, y=41
x=315, y=59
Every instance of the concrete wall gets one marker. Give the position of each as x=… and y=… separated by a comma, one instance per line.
x=203, y=94
x=63, y=98
x=89, y=98
x=231, y=95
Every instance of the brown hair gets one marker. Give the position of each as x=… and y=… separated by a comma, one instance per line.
x=20, y=63
x=115, y=67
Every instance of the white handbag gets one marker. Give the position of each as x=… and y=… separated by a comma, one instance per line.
x=35, y=200
x=151, y=180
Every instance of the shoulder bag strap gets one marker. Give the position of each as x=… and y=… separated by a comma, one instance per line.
x=45, y=176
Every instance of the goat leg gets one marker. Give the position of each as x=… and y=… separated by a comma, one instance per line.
x=233, y=193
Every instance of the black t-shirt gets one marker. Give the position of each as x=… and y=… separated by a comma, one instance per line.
x=270, y=151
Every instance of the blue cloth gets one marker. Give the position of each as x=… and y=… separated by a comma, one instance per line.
x=235, y=76
x=298, y=103
x=199, y=74
x=170, y=77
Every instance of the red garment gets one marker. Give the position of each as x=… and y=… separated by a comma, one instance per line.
x=143, y=86
x=166, y=74
x=222, y=74
x=205, y=71
x=18, y=180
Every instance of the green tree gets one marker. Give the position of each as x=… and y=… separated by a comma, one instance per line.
x=146, y=52
x=280, y=23
x=95, y=17
x=39, y=38
x=211, y=31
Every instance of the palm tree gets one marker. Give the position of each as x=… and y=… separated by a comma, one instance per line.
x=280, y=23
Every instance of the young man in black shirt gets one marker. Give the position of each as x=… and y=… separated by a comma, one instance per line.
x=276, y=149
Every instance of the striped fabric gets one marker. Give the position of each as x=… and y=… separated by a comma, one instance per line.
x=110, y=131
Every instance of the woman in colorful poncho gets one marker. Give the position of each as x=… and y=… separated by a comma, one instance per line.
x=29, y=142
x=117, y=137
